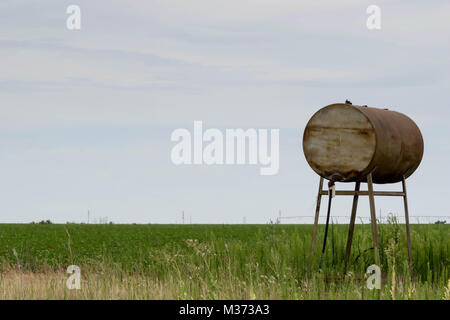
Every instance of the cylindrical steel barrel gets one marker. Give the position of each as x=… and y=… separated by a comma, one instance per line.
x=344, y=142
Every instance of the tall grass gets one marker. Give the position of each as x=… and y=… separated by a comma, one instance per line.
x=219, y=262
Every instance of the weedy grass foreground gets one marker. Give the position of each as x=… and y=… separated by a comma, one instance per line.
x=115, y=284
x=216, y=262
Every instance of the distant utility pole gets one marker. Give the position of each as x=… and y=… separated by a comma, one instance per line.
x=88, y=216
x=182, y=217
x=190, y=219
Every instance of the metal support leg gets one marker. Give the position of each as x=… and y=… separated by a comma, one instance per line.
x=316, y=221
x=408, y=237
x=373, y=219
x=351, y=226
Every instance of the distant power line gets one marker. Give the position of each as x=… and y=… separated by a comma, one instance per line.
x=417, y=219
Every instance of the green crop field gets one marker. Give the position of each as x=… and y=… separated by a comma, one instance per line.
x=218, y=262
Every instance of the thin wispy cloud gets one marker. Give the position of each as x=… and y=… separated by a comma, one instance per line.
x=113, y=91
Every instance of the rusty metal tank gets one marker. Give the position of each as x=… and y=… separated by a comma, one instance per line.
x=344, y=142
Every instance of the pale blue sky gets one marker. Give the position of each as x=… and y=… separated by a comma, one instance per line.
x=86, y=116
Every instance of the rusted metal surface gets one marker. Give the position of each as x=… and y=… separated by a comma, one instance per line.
x=344, y=142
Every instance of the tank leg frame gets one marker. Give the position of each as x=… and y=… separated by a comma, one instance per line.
x=356, y=193
x=316, y=221
x=351, y=226
x=373, y=220
x=408, y=236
